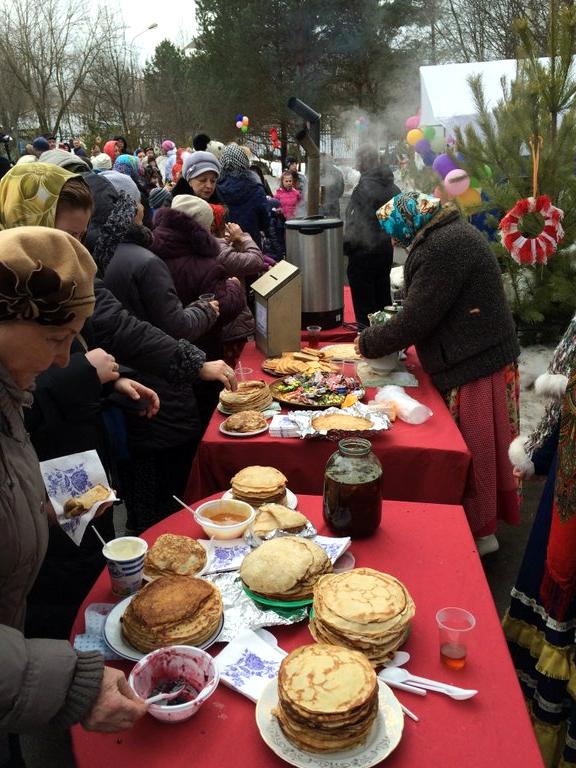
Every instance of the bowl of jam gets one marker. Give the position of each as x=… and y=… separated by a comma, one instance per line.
x=166, y=669
x=224, y=518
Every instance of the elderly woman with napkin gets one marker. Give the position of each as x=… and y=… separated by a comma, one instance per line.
x=46, y=295
x=455, y=313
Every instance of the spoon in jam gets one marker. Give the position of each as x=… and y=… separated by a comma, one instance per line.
x=166, y=696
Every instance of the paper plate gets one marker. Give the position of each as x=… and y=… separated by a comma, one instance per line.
x=115, y=640
x=381, y=742
x=284, y=604
x=243, y=434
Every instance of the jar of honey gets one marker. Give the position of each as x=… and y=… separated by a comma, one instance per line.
x=353, y=489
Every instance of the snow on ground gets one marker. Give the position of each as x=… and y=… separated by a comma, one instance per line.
x=533, y=361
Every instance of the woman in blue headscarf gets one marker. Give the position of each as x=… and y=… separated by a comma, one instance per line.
x=456, y=314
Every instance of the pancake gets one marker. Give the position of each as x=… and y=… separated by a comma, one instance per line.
x=245, y=421
x=172, y=610
x=272, y=517
x=285, y=568
x=343, y=421
x=327, y=698
x=174, y=555
x=259, y=485
x=250, y=396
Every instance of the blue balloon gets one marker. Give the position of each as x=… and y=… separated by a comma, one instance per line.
x=239, y=117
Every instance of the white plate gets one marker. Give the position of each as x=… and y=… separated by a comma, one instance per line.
x=114, y=638
x=382, y=740
x=291, y=498
x=243, y=434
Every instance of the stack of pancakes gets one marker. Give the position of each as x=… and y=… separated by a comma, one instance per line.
x=362, y=609
x=285, y=569
x=173, y=610
x=259, y=485
x=272, y=517
x=245, y=421
x=250, y=396
x=327, y=698
x=174, y=555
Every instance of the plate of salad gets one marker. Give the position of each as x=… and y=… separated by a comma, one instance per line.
x=317, y=390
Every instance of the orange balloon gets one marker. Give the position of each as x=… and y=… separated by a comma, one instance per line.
x=470, y=199
x=414, y=136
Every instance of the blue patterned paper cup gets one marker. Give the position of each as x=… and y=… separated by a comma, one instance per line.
x=125, y=557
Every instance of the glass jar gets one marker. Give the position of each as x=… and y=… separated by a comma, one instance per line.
x=353, y=489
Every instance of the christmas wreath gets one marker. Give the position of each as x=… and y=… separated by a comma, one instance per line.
x=532, y=230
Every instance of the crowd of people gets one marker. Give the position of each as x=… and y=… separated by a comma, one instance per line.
x=124, y=307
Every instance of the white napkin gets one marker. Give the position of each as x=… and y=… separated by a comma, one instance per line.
x=224, y=555
x=334, y=548
x=249, y=662
x=68, y=477
x=93, y=637
x=283, y=426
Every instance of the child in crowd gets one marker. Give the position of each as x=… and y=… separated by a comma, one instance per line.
x=289, y=198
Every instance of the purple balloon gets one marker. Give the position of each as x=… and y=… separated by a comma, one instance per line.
x=422, y=146
x=429, y=157
x=443, y=165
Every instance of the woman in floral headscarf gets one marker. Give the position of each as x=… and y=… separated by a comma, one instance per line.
x=455, y=313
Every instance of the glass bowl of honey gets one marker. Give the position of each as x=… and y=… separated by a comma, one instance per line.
x=224, y=518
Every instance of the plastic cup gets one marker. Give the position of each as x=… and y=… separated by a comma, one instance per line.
x=242, y=373
x=314, y=336
x=207, y=296
x=454, y=626
x=125, y=557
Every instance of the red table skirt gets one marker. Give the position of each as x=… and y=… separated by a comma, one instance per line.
x=430, y=548
x=425, y=462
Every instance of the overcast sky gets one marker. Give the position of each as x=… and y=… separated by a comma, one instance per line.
x=175, y=21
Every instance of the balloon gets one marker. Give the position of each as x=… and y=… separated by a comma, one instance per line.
x=412, y=122
x=470, y=198
x=239, y=117
x=244, y=129
x=238, y=123
x=429, y=132
x=413, y=136
x=457, y=182
x=474, y=182
x=422, y=146
x=245, y=120
x=443, y=165
x=487, y=171
x=428, y=158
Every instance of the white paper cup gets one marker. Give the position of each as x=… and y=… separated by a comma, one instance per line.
x=125, y=557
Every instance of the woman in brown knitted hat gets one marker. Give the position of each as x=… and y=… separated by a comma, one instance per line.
x=46, y=294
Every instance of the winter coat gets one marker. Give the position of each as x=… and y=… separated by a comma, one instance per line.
x=247, y=206
x=289, y=199
x=42, y=681
x=170, y=162
x=243, y=261
x=455, y=310
x=143, y=284
x=363, y=235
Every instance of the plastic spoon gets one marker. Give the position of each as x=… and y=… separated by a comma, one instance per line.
x=166, y=696
x=398, y=660
x=397, y=675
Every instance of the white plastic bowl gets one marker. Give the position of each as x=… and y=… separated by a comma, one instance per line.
x=221, y=530
x=193, y=665
x=384, y=364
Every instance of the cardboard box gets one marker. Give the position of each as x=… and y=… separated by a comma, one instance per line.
x=278, y=309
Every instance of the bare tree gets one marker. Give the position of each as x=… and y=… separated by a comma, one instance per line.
x=47, y=48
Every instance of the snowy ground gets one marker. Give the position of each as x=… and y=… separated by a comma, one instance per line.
x=533, y=361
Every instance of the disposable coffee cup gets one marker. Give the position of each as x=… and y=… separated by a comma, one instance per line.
x=125, y=557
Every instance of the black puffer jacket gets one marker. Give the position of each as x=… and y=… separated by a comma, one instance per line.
x=362, y=233
x=455, y=310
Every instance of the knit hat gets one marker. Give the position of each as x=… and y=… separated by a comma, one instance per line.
x=101, y=162
x=64, y=159
x=234, y=159
x=196, y=208
x=40, y=144
x=197, y=163
x=216, y=147
x=129, y=165
x=167, y=145
x=123, y=183
x=159, y=197
x=46, y=276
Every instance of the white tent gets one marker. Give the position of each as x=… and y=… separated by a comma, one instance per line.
x=445, y=95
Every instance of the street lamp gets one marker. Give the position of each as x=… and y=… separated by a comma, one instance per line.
x=149, y=27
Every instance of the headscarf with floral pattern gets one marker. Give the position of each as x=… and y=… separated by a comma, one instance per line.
x=29, y=195
x=406, y=214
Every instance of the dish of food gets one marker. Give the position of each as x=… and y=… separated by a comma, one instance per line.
x=321, y=390
x=116, y=641
x=344, y=422
x=276, y=517
x=250, y=396
x=173, y=555
x=79, y=504
x=298, y=362
x=344, y=352
x=291, y=498
x=282, y=604
x=382, y=740
x=244, y=424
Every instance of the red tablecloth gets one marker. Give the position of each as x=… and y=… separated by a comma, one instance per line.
x=430, y=548
x=425, y=462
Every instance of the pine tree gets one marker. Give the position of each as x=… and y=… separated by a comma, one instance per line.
x=538, y=107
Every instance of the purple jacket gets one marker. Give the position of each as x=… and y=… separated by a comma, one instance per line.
x=192, y=256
